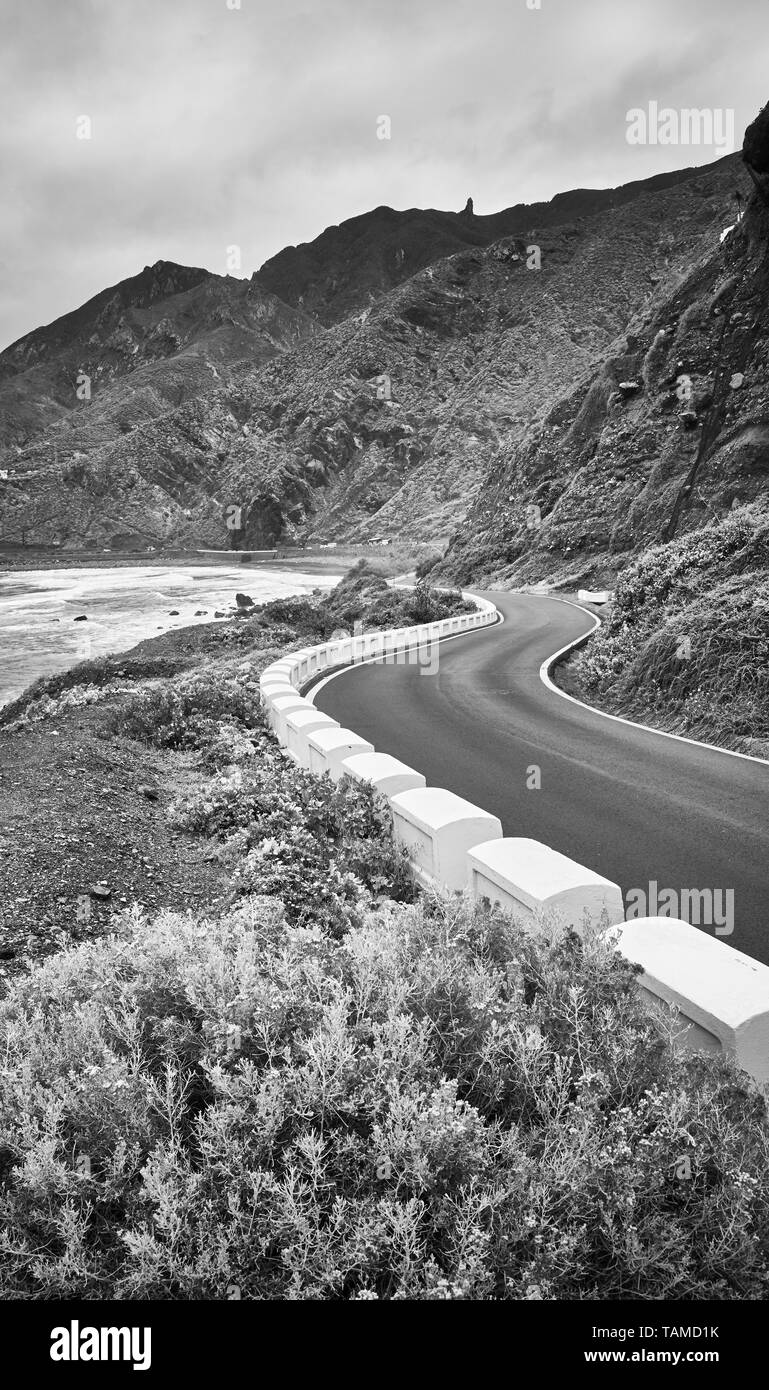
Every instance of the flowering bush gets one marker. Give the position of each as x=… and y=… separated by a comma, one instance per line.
x=435, y=1106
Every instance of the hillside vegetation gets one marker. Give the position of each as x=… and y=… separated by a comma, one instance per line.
x=686, y=645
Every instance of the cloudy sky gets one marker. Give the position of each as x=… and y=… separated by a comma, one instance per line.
x=216, y=124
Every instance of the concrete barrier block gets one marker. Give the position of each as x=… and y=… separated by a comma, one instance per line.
x=438, y=828
x=300, y=723
x=329, y=747
x=338, y=653
x=278, y=671
x=283, y=691
x=279, y=708
x=299, y=666
x=373, y=646
x=722, y=995
x=273, y=688
x=388, y=775
x=525, y=877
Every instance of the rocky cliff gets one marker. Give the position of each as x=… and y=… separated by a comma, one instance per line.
x=668, y=433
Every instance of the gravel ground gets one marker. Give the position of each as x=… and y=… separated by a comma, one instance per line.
x=72, y=818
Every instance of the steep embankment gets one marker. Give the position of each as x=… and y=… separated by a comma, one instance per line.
x=669, y=433
x=685, y=645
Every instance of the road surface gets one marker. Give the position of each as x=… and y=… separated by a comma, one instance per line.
x=630, y=804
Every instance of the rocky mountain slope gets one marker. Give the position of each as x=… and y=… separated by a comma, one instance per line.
x=471, y=350
x=346, y=390
x=170, y=318
x=668, y=433
x=104, y=414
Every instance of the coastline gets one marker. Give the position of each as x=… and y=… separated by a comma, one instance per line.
x=314, y=560
x=83, y=801
x=51, y=618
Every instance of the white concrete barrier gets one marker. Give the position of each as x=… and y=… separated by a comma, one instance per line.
x=280, y=707
x=279, y=671
x=274, y=688
x=329, y=747
x=438, y=828
x=525, y=877
x=275, y=692
x=300, y=723
x=299, y=666
x=309, y=661
x=388, y=775
x=722, y=995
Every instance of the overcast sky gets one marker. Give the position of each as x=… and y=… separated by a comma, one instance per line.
x=257, y=126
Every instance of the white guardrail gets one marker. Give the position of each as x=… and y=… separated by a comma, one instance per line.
x=721, y=995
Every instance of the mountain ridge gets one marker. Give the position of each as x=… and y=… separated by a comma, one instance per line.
x=213, y=393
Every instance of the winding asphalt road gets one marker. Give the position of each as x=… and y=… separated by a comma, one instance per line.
x=628, y=803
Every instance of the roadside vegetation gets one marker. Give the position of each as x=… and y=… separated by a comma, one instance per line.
x=686, y=646
x=428, y=1104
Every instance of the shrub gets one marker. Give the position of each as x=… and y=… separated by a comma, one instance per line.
x=305, y=617
x=427, y=564
x=322, y=848
x=437, y=1106
x=184, y=713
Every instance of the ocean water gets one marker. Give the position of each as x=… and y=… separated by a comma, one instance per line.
x=123, y=605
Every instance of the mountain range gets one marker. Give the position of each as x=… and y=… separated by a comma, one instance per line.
x=510, y=388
